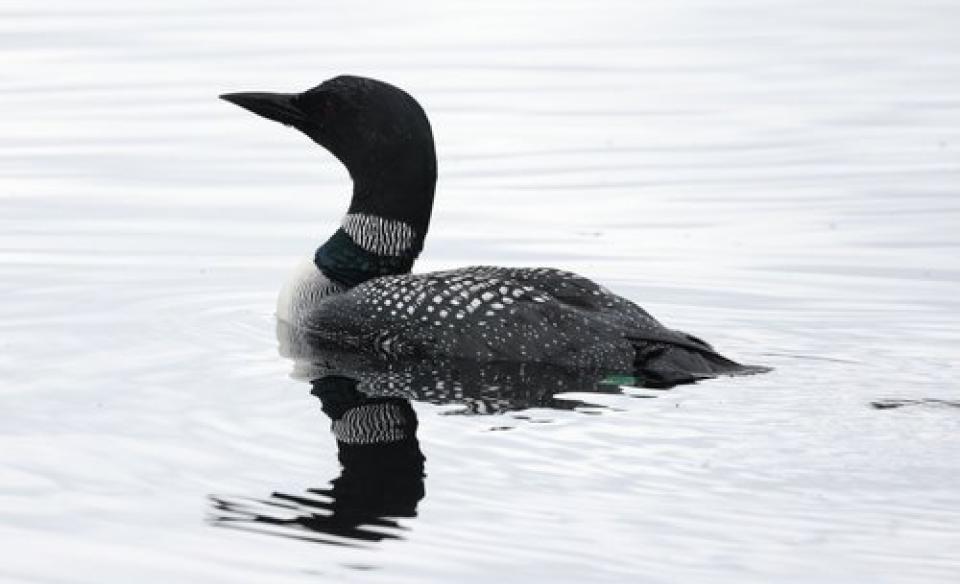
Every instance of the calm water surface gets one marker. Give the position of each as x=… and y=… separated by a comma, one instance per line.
x=777, y=177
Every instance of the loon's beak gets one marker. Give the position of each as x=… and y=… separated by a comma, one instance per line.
x=278, y=107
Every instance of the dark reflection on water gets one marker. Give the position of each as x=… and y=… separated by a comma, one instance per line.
x=890, y=404
x=382, y=475
x=369, y=404
x=485, y=389
x=478, y=388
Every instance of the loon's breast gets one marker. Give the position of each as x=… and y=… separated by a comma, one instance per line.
x=303, y=292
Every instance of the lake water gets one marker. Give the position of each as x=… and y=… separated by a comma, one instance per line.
x=780, y=178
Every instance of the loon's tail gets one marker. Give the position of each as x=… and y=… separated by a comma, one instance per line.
x=667, y=358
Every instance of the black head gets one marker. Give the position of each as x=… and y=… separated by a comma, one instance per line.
x=378, y=131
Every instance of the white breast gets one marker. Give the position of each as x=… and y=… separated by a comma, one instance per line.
x=304, y=290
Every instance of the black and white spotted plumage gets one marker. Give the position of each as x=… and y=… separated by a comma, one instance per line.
x=490, y=314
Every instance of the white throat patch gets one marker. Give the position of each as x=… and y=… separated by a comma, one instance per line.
x=381, y=236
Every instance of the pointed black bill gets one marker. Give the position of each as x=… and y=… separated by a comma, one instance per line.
x=278, y=107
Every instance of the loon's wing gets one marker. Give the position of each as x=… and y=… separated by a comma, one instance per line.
x=576, y=292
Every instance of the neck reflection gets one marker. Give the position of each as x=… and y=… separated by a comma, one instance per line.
x=381, y=479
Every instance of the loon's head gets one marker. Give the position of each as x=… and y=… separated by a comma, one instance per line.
x=376, y=130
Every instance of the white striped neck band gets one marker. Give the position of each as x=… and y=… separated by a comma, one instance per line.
x=388, y=237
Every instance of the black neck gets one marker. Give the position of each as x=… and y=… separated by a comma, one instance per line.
x=343, y=261
x=399, y=187
x=393, y=180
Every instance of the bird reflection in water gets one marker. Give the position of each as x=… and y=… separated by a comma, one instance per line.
x=381, y=478
x=475, y=388
x=369, y=405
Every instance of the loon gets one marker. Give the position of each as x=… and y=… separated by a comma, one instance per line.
x=357, y=292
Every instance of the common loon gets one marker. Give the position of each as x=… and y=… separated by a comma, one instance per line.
x=357, y=292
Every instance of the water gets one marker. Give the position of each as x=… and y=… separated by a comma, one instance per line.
x=777, y=177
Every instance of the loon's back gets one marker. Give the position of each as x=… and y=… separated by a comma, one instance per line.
x=486, y=314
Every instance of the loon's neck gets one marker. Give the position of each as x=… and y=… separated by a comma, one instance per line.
x=368, y=246
x=388, y=218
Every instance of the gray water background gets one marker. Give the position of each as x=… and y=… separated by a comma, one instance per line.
x=780, y=178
